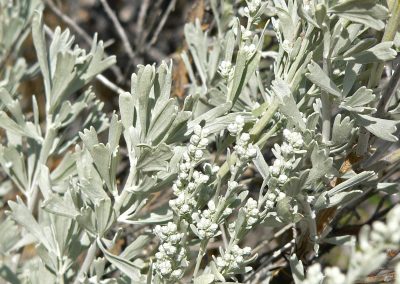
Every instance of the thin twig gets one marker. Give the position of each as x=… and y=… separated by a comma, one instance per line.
x=223, y=233
x=101, y=78
x=151, y=21
x=276, y=235
x=70, y=22
x=265, y=265
x=160, y=26
x=119, y=28
x=141, y=19
x=390, y=90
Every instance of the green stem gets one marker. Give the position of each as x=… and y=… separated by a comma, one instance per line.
x=264, y=138
x=260, y=125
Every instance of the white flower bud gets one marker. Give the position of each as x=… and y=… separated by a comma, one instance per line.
x=334, y=275
x=251, y=151
x=183, y=175
x=249, y=50
x=225, y=69
x=288, y=165
x=213, y=227
x=205, y=132
x=203, y=142
x=192, y=149
x=286, y=148
x=286, y=133
x=245, y=137
x=185, y=209
x=211, y=205
x=271, y=196
x=246, y=34
x=239, y=120
x=177, y=273
x=227, y=211
x=251, y=203
x=269, y=204
x=197, y=129
x=171, y=227
x=160, y=255
x=281, y=196
x=201, y=234
x=232, y=185
x=278, y=163
x=194, y=139
x=198, y=154
x=220, y=262
x=164, y=267
x=186, y=156
x=275, y=171
x=215, y=169
x=233, y=129
x=191, y=186
x=283, y=178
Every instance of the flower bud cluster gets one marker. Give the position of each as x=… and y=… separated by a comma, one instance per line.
x=293, y=141
x=245, y=150
x=171, y=257
x=388, y=232
x=205, y=225
x=331, y=275
x=183, y=204
x=272, y=198
x=183, y=188
x=283, y=166
x=233, y=260
x=252, y=7
x=249, y=50
x=236, y=127
x=374, y=241
x=188, y=178
x=198, y=142
x=225, y=69
x=380, y=235
x=246, y=33
x=314, y=274
x=170, y=253
x=252, y=213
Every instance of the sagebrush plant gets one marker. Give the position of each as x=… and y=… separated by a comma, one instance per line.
x=288, y=142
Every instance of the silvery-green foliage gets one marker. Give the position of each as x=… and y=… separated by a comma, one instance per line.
x=14, y=28
x=370, y=254
x=297, y=117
